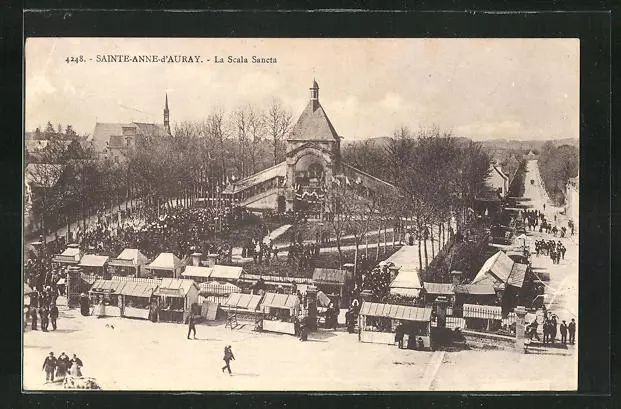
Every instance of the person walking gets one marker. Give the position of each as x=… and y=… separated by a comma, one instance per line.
x=191, y=325
x=62, y=366
x=49, y=365
x=53, y=315
x=76, y=366
x=33, y=318
x=563, y=329
x=228, y=356
x=571, y=328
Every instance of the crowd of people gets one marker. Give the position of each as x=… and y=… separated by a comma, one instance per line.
x=551, y=329
x=57, y=369
x=179, y=231
x=555, y=249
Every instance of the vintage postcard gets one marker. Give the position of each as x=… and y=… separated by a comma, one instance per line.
x=216, y=214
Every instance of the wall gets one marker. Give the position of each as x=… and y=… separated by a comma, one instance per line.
x=483, y=340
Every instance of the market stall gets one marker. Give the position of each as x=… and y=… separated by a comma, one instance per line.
x=166, y=265
x=136, y=298
x=129, y=263
x=197, y=273
x=433, y=290
x=71, y=255
x=378, y=324
x=104, y=296
x=230, y=274
x=94, y=265
x=482, y=293
x=175, y=298
x=215, y=291
x=279, y=312
x=336, y=284
x=242, y=308
x=406, y=284
x=482, y=317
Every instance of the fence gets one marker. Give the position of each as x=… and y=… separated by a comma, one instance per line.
x=92, y=277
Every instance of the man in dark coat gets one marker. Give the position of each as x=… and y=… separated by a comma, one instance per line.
x=553, y=326
x=49, y=365
x=563, y=329
x=228, y=356
x=33, y=317
x=44, y=318
x=399, y=332
x=571, y=328
x=191, y=325
x=53, y=316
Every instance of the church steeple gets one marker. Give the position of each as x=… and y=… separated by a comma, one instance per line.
x=166, y=116
x=314, y=91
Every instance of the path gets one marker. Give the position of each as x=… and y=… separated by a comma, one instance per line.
x=274, y=234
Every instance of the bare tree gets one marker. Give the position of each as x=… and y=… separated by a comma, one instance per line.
x=278, y=123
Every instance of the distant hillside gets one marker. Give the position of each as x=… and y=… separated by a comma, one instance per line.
x=491, y=145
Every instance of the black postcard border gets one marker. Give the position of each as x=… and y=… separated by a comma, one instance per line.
x=592, y=27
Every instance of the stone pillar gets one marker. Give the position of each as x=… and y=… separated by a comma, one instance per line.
x=211, y=260
x=311, y=307
x=520, y=326
x=441, y=304
x=196, y=259
x=456, y=277
x=74, y=284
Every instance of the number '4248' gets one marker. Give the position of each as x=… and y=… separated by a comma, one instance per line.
x=76, y=60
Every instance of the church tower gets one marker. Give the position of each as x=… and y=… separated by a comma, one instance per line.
x=166, y=116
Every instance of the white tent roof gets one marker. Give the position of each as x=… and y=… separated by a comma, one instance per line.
x=406, y=279
x=134, y=255
x=165, y=261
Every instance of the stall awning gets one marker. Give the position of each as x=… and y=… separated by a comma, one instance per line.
x=218, y=288
x=174, y=287
x=405, y=292
x=329, y=276
x=113, y=286
x=286, y=301
x=398, y=312
x=475, y=289
x=129, y=257
x=196, y=271
x=226, y=272
x=406, y=279
x=439, y=288
x=138, y=289
x=165, y=261
x=518, y=272
x=90, y=260
x=70, y=255
x=247, y=301
x=488, y=312
x=498, y=267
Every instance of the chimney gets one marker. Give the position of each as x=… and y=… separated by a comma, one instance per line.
x=196, y=259
x=211, y=260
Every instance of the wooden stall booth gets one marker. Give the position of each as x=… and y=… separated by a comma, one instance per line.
x=70, y=257
x=482, y=317
x=175, y=298
x=433, y=290
x=137, y=297
x=105, y=297
x=379, y=323
x=336, y=284
x=230, y=274
x=280, y=312
x=95, y=265
x=127, y=264
x=217, y=292
x=482, y=293
x=199, y=274
x=166, y=265
x=242, y=308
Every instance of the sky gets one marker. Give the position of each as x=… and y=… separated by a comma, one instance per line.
x=482, y=89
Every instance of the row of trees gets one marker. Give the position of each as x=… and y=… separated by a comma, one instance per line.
x=557, y=165
x=438, y=176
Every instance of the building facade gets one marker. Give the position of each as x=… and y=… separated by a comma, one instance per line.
x=312, y=167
